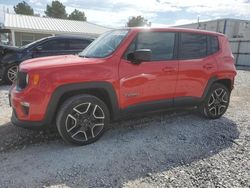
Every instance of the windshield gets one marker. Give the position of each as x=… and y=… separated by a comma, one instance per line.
x=104, y=45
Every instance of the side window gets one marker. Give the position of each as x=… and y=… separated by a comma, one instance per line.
x=192, y=46
x=160, y=43
x=54, y=45
x=78, y=44
x=213, y=45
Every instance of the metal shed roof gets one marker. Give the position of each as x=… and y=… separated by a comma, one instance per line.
x=50, y=25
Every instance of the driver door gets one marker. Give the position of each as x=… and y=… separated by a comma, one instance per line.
x=50, y=48
x=152, y=81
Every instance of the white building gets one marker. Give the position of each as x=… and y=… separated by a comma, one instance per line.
x=233, y=28
x=23, y=29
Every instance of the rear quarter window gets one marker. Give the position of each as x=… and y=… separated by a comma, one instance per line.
x=213, y=45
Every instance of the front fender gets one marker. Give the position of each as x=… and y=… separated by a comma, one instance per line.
x=63, y=89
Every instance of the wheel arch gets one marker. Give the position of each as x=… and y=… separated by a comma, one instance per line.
x=11, y=63
x=102, y=90
x=225, y=81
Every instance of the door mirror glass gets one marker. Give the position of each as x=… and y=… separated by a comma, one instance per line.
x=139, y=56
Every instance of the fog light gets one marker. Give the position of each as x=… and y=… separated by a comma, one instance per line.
x=26, y=104
x=25, y=107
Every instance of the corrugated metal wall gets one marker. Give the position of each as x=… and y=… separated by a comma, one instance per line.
x=241, y=51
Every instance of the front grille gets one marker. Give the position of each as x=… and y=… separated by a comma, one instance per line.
x=21, y=80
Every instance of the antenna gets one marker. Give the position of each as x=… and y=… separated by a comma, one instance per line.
x=3, y=14
x=198, y=22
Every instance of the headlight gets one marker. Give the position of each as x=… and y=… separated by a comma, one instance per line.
x=22, y=80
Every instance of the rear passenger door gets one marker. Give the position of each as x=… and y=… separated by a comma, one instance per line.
x=77, y=45
x=196, y=64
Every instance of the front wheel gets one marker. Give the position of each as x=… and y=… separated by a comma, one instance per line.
x=216, y=102
x=10, y=74
x=82, y=119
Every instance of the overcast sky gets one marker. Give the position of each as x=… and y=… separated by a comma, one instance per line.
x=115, y=13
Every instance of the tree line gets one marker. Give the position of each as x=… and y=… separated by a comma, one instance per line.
x=57, y=10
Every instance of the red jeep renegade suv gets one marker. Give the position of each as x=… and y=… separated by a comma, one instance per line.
x=122, y=72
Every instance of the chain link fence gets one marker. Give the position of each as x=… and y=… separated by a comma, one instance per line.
x=241, y=51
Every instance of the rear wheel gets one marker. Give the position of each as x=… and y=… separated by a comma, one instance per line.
x=216, y=102
x=10, y=74
x=82, y=119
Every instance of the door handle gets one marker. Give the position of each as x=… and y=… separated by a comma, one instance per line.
x=208, y=66
x=169, y=69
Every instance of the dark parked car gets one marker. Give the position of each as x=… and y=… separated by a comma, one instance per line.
x=11, y=57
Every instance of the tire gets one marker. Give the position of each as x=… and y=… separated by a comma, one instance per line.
x=82, y=119
x=216, y=102
x=10, y=74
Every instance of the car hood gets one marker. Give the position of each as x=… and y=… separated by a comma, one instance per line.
x=5, y=49
x=55, y=62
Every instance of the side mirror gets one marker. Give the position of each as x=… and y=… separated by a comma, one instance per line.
x=139, y=56
x=38, y=48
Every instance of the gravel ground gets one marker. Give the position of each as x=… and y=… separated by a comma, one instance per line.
x=175, y=149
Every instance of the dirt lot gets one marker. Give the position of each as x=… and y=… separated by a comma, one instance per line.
x=175, y=149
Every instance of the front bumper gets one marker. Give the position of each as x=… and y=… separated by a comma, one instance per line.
x=21, y=118
x=27, y=124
